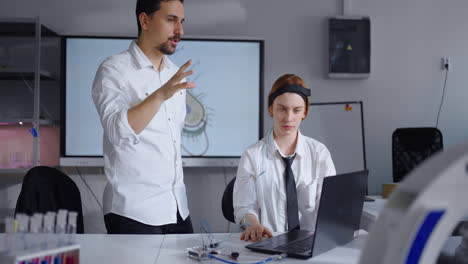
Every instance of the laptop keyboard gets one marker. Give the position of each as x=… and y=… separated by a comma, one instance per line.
x=299, y=246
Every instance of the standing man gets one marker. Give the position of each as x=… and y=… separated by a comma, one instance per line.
x=140, y=97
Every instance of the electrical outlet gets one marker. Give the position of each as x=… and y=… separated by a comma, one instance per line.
x=445, y=63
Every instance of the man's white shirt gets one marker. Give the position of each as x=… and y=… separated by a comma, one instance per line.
x=144, y=170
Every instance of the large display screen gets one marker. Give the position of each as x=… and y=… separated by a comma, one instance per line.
x=224, y=112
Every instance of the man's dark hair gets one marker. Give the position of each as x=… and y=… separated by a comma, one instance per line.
x=148, y=7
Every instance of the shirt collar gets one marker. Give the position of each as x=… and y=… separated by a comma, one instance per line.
x=273, y=147
x=141, y=60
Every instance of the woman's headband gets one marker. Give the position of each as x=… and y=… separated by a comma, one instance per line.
x=290, y=88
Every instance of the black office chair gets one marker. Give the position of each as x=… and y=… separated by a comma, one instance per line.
x=47, y=189
x=226, y=203
x=411, y=146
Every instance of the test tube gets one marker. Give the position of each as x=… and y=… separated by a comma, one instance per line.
x=49, y=222
x=49, y=227
x=72, y=222
x=9, y=230
x=71, y=226
x=36, y=223
x=61, y=221
x=23, y=228
x=60, y=227
x=23, y=223
x=9, y=225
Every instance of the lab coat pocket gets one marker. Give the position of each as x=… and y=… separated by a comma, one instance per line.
x=306, y=195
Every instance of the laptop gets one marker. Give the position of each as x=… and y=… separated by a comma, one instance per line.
x=339, y=216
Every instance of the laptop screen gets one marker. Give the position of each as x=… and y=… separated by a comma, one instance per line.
x=339, y=213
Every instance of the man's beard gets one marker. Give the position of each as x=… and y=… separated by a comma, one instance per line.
x=166, y=47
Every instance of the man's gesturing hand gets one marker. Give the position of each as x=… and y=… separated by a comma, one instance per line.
x=174, y=84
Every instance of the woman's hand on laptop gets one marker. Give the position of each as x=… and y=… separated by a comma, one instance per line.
x=255, y=233
x=254, y=230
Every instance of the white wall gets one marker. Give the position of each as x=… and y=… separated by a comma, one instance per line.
x=404, y=89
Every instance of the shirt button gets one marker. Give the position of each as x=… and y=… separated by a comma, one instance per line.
x=136, y=141
x=146, y=94
x=180, y=93
x=169, y=119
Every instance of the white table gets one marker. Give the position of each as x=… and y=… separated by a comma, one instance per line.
x=172, y=249
x=101, y=248
x=371, y=211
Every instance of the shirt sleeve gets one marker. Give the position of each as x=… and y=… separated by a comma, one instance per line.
x=244, y=194
x=112, y=104
x=326, y=168
x=326, y=165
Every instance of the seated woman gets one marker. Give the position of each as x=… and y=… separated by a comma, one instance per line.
x=279, y=178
